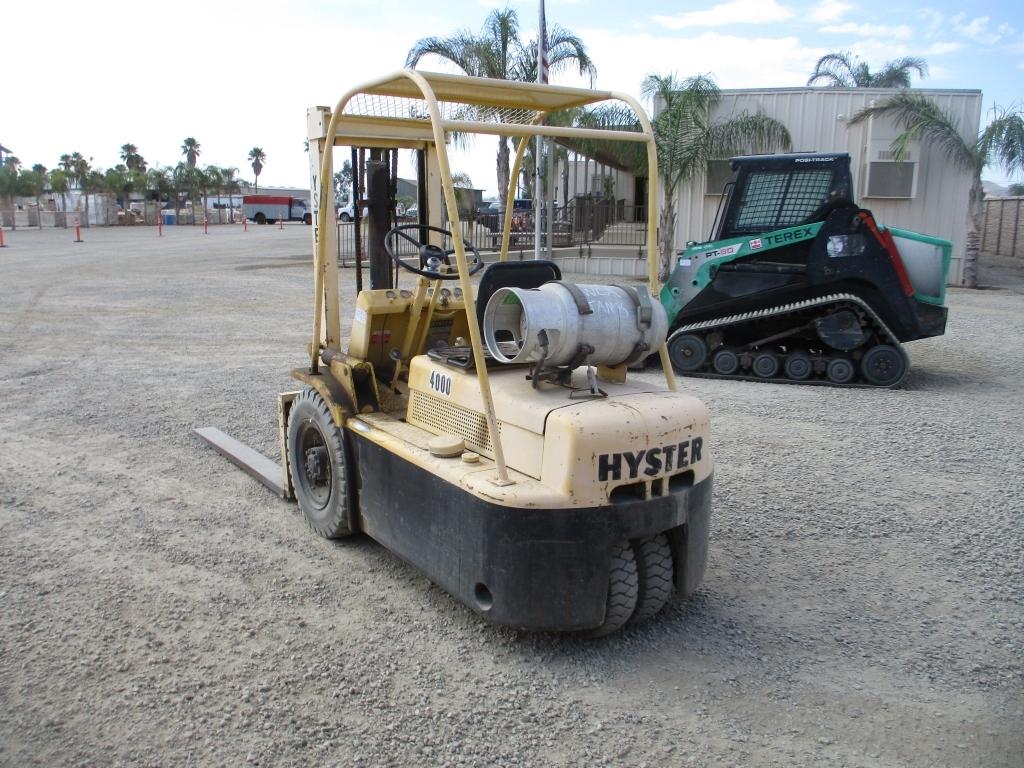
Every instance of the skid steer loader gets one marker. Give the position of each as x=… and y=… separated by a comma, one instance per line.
x=800, y=285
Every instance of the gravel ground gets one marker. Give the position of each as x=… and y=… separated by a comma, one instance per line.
x=863, y=604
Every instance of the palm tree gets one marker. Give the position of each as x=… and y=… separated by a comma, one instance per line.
x=59, y=182
x=121, y=182
x=687, y=138
x=80, y=173
x=32, y=184
x=190, y=150
x=90, y=182
x=257, y=157
x=132, y=159
x=497, y=52
x=160, y=183
x=844, y=70
x=8, y=187
x=215, y=180
x=1001, y=142
x=229, y=184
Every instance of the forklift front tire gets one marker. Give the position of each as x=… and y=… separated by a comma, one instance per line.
x=318, y=460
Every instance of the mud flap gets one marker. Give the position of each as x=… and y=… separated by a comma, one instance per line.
x=689, y=542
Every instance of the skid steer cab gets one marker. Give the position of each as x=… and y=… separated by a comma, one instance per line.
x=477, y=420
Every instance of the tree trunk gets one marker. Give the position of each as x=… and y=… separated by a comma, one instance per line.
x=503, y=169
x=64, y=205
x=975, y=209
x=667, y=235
x=39, y=212
x=257, y=185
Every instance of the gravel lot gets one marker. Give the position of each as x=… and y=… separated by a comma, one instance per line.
x=863, y=606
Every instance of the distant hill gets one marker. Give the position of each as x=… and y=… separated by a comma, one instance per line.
x=994, y=190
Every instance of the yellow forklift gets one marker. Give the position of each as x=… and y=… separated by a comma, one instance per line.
x=487, y=434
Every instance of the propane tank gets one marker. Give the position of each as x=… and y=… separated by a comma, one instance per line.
x=564, y=324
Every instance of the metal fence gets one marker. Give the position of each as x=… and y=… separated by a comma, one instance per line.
x=1003, y=229
x=583, y=223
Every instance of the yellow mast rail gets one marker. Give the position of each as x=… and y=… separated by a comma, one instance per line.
x=418, y=109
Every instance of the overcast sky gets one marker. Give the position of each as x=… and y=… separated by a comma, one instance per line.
x=91, y=76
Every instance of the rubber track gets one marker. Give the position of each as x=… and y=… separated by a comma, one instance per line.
x=797, y=306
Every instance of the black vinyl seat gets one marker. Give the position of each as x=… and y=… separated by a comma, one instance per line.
x=513, y=274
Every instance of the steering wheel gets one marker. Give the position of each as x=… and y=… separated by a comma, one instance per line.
x=431, y=256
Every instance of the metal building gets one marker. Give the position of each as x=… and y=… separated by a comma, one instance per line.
x=926, y=193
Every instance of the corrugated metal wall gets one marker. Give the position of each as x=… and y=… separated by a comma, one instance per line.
x=817, y=120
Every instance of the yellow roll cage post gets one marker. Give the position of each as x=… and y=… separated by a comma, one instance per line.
x=417, y=110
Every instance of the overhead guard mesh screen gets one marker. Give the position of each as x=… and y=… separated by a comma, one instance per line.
x=777, y=199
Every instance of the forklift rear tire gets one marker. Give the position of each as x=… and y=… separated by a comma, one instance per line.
x=654, y=569
x=318, y=460
x=622, y=590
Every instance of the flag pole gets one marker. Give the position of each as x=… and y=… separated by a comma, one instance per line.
x=542, y=77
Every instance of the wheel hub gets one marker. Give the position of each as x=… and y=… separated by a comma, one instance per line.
x=316, y=465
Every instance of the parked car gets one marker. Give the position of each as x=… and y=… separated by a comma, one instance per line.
x=346, y=213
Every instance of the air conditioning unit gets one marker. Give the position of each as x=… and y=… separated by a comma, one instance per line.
x=883, y=176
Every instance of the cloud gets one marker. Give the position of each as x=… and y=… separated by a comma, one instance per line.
x=734, y=12
x=901, y=32
x=940, y=48
x=977, y=29
x=829, y=10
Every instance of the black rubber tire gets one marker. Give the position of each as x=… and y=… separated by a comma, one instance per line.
x=687, y=352
x=725, y=362
x=307, y=219
x=260, y=218
x=654, y=569
x=622, y=590
x=345, y=218
x=798, y=366
x=840, y=370
x=883, y=365
x=765, y=365
x=326, y=503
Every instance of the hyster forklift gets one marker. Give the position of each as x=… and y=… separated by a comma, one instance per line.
x=800, y=285
x=488, y=435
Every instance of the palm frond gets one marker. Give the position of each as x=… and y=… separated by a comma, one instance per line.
x=1003, y=140
x=923, y=120
x=836, y=69
x=756, y=134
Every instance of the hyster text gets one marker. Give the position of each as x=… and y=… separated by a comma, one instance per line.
x=650, y=461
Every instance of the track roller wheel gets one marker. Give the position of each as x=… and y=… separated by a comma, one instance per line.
x=622, y=590
x=798, y=366
x=318, y=460
x=725, y=362
x=840, y=370
x=883, y=365
x=687, y=352
x=654, y=568
x=765, y=365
